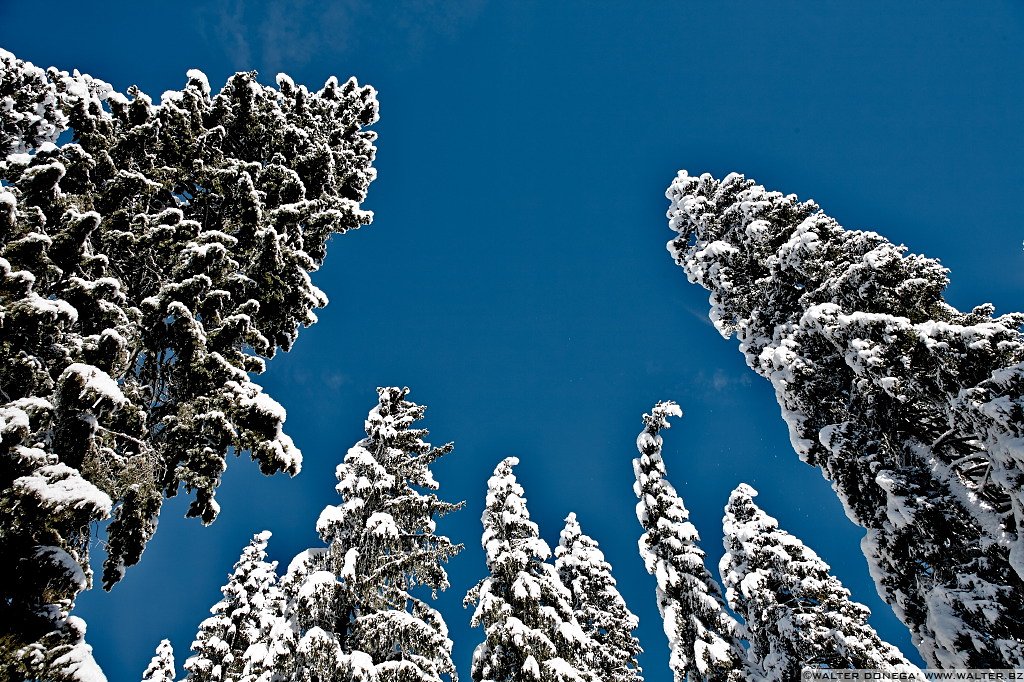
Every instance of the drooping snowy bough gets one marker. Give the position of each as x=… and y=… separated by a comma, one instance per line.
x=704, y=640
x=912, y=409
x=147, y=268
x=354, y=602
x=796, y=612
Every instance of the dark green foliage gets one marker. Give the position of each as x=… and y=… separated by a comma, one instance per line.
x=147, y=269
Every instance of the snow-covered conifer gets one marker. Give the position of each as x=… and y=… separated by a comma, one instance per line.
x=352, y=602
x=530, y=630
x=161, y=667
x=909, y=406
x=797, y=614
x=247, y=636
x=599, y=608
x=704, y=640
x=147, y=269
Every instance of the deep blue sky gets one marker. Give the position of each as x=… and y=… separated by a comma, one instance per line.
x=516, y=277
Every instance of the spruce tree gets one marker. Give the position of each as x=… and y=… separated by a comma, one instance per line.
x=797, y=614
x=148, y=268
x=598, y=606
x=353, y=602
x=908, y=406
x=704, y=640
x=247, y=635
x=530, y=630
x=161, y=667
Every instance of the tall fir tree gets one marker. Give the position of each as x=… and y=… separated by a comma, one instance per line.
x=530, y=630
x=908, y=406
x=352, y=602
x=161, y=667
x=147, y=269
x=797, y=614
x=598, y=606
x=704, y=640
x=247, y=638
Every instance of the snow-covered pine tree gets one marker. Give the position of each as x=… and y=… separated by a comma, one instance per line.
x=797, y=614
x=147, y=268
x=905, y=403
x=353, y=602
x=704, y=640
x=530, y=630
x=247, y=637
x=161, y=667
x=599, y=608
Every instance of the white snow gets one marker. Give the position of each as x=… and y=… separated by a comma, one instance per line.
x=200, y=78
x=77, y=664
x=348, y=570
x=382, y=523
x=72, y=569
x=316, y=583
x=60, y=488
x=97, y=384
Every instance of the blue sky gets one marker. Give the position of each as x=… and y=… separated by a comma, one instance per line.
x=516, y=277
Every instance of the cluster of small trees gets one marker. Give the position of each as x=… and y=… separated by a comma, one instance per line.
x=347, y=611
x=794, y=613
x=351, y=610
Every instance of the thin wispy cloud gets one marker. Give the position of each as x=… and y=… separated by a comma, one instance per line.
x=230, y=28
x=719, y=384
x=700, y=315
x=275, y=36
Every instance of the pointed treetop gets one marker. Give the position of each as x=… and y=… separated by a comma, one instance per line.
x=703, y=638
x=599, y=607
x=353, y=601
x=531, y=631
x=658, y=417
x=571, y=531
x=161, y=667
x=243, y=633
